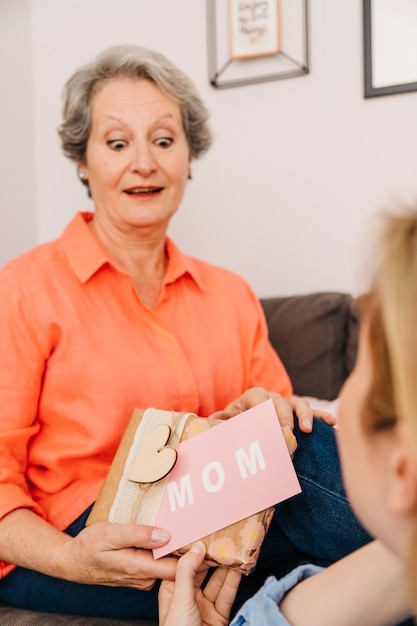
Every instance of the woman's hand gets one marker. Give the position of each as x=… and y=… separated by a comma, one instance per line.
x=284, y=408
x=185, y=603
x=305, y=413
x=118, y=555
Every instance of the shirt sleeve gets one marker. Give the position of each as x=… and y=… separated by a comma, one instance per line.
x=263, y=607
x=21, y=370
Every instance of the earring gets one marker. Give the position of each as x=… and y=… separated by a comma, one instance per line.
x=81, y=174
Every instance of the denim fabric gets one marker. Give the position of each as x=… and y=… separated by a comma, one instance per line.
x=317, y=527
x=319, y=521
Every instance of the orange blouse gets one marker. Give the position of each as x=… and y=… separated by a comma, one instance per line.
x=79, y=351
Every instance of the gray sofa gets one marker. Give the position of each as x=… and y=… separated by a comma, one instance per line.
x=316, y=337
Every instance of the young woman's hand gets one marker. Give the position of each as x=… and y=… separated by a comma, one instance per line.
x=184, y=602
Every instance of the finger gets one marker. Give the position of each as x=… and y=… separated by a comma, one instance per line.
x=162, y=569
x=119, y=536
x=220, y=415
x=144, y=569
x=214, y=584
x=290, y=439
x=325, y=416
x=228, y=592
x=251, y=397
x=283, y=409
x=222, y=588
x=201, y=575
x=187, y=569
x=304, y=413
x=150, y=537
x=256, y=395
x=178, y=605
x=164, y=598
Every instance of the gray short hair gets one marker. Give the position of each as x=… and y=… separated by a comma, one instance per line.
x=130, y=61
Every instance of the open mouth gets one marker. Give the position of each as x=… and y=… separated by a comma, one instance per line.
x=143, y=191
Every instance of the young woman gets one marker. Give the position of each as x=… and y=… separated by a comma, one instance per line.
x=377, y=438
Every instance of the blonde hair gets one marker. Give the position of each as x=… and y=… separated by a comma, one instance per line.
x=396, y=285
x=392, y=316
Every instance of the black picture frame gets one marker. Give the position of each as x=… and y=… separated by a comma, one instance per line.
x=371, y=89
x=291, y=61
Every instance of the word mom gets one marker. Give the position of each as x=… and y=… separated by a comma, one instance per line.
x=213, y=477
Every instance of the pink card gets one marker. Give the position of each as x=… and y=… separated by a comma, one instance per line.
x=225, y=474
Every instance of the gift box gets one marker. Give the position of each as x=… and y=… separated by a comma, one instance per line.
x=135, y=484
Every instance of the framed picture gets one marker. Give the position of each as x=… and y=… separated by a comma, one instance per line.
x=254, y=28
x=390, y=47
x=254, y=41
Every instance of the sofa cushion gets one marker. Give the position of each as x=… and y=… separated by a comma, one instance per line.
x=316, y=337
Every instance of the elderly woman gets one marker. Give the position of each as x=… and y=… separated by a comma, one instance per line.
x=112, y=316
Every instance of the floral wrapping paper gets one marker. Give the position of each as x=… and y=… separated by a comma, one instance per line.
x=237, y=546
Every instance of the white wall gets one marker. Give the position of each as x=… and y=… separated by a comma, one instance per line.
x=17, y=177
x=298, y=165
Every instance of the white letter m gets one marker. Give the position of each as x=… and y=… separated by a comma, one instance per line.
x=180, y=495
x=250, y=462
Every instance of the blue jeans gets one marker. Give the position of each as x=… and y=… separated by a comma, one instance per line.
x=317, y=526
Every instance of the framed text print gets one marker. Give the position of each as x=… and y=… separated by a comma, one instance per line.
x=253, y=41
x=254, y=28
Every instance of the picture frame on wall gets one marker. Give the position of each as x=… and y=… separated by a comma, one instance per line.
x=254, y=28
x=255, y=41
x=390, y=47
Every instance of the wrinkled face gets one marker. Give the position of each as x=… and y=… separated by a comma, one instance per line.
x=137, y=157
x=367, y=457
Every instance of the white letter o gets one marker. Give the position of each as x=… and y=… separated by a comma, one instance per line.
x=210, y=486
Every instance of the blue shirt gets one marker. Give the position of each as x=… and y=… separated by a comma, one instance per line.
x=263, y=607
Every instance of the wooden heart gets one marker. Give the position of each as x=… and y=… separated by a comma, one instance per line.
x=154, y=460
